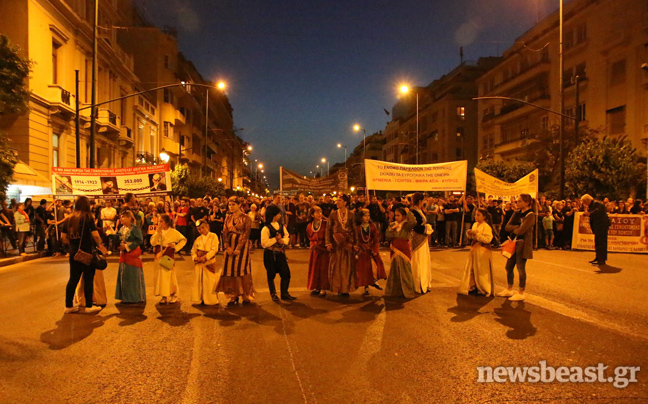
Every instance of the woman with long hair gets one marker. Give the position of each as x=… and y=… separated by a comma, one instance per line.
x=167, y=241
x=318, y=263
x=400, y=281
x=236, y=279
x=130, y=277
x=339, y=241
x=478, y=273
x=367, y=252
x=79, y=230
x=521, y=229
x=421, y=265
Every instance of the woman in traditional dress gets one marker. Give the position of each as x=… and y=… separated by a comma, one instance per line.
x=170, y=241
x=339, y=241
x=318, y=264
x=203, y=253
x=421, y=266
x=478, y=273
x=130, y=278
x=400, y=281
x=367, y=251
x=236, y=279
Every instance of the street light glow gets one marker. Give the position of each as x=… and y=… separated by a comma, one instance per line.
x=164, y=156
x=323, y=160
x=356, y=127
x=260, y=165
x=221, y=85
x=339, y=145
x=249, y=148
x=352, y=189
x=220, y=179
x=404, y=89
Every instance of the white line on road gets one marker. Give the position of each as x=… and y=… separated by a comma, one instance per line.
x=290, y=352
x=564, y=266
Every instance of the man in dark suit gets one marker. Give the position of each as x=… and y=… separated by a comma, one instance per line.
x=600, y=224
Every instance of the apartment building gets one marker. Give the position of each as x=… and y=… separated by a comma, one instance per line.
x=604, y=45
x=447, y=119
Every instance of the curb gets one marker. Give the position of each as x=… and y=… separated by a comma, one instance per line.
x=15, y=260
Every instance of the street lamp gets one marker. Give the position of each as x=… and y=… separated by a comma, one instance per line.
x=320, y=169
x=340, y=145
x=404, y=89
x=164, y=156
x=357, y=128
x=328, y=166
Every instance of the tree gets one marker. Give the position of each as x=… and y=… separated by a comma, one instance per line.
x=608, y=167
x=14, y=100
x=179, y=177
x=183, y=184
x=508, y=171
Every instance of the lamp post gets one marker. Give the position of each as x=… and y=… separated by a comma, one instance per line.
x=357, y=128
x=320, y=170
x=340, y=145
x=328, y=166
x=562, y=105
x=404, y=89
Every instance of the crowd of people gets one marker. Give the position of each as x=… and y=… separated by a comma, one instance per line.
x=343, y=233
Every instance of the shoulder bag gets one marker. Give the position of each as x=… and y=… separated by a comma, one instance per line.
x=82, y=256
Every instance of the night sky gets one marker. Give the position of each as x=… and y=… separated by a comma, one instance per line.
x=301, y=73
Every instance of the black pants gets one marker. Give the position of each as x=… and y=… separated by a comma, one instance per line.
x=275, y=263
x=601, y=245
x=40, y=236
x=303, y=237
x=76, y=270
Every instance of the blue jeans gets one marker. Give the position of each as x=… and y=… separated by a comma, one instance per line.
x=516, y=259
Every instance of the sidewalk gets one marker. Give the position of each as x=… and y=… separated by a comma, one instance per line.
x=17, y=259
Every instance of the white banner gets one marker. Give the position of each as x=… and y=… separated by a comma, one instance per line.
x=384, y=176
x=495, y=188
x=628, y=233
x=112, y=182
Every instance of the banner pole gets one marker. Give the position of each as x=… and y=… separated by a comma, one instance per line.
x=463, y=213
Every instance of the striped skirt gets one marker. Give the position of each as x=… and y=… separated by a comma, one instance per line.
x=236, y=277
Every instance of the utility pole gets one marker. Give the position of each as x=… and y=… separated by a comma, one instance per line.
x=576, y=121
x=77, y=120
x=202, y=172
x=562, y=106
x=93, y=99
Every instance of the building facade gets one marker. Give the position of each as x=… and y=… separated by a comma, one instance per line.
x=447, y=119
x=604, y=45
x=133, y=56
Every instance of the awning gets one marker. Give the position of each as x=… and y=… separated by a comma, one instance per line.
x=26, y=181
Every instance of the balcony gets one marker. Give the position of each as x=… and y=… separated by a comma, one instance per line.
x=125, y=136
x=60, y=102
x=540, y=68
x=107, y=123
x=514, y=110
x=511, y=146
x=171, y=114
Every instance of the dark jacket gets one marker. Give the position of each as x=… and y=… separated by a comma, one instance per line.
x=599, y=221
x=522, y=224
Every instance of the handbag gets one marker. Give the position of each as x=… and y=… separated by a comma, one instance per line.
x=99, y=260
x=508, y=247
x=166, y=260
x=82, y=256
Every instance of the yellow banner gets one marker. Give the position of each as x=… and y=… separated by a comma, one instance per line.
x=492, y=187
x=384, y=176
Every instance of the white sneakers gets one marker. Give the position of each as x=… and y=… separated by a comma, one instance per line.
x=506, y=293
x=89, y=310
x=518, y=297
x=69, y=310
x=511, y=295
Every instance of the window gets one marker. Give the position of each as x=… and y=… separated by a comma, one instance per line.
x=545, y=123
x=461, y=113
x=140, y=101
x=616, y=120
x=581, y=71
x=55, y=48
x=581, y=113
x=87, y=80
x=168, y=129
x=618, y=73
x=435, y=136
x=581, y=33
x=55, y=149
x=568, y=39
x=460, y=132
x=459, y=153
x=434, y=116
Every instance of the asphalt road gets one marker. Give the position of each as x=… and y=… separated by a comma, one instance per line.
x=327, y=350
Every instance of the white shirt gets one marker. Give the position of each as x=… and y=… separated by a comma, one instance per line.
x=267, y=241
x=484, y=233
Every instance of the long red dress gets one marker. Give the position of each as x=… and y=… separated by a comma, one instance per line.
x=369, y=245
x=318, y=266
